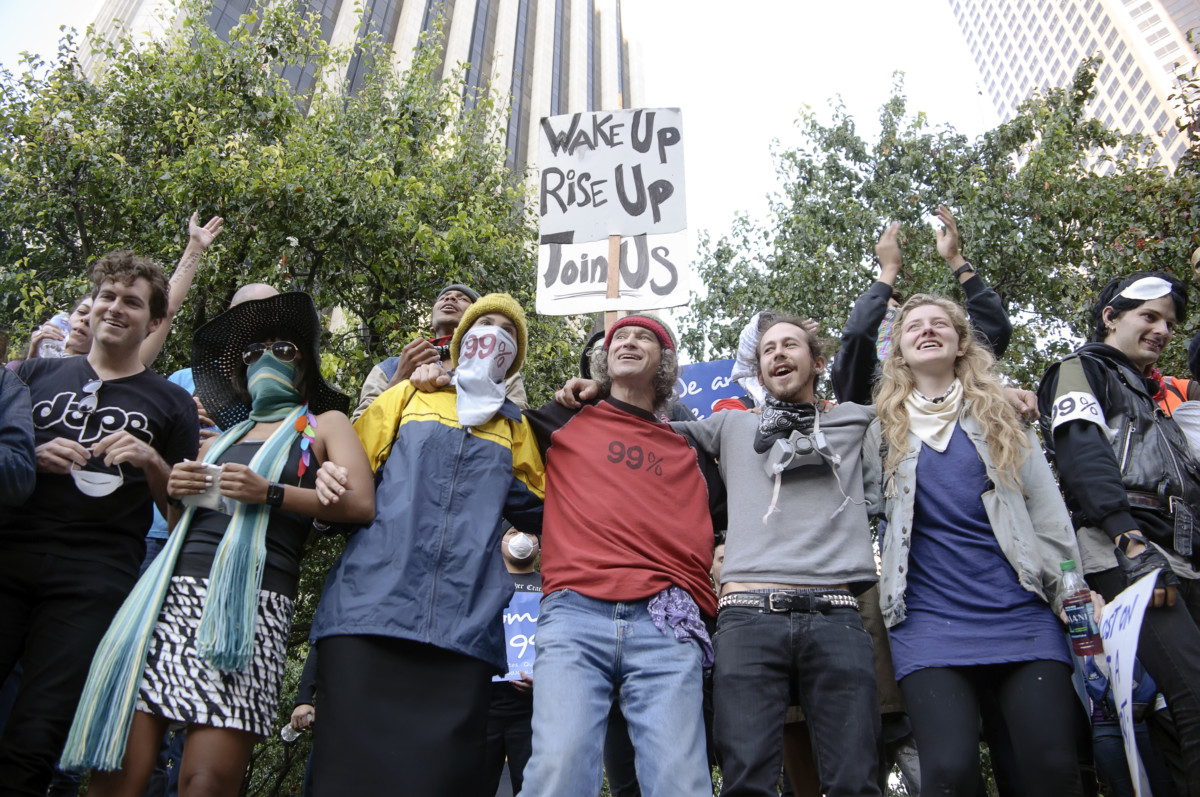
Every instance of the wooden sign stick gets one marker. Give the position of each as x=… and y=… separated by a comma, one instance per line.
x=614, y=279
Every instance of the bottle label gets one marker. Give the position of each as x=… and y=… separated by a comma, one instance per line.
x=1080, y=622
x=1085, y=636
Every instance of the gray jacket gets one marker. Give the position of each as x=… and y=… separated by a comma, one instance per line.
x=1033, y=529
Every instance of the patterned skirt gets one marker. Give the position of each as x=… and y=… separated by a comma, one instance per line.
x=178, y=685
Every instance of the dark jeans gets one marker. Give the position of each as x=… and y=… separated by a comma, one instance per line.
x=509, y=735
x=399, y=717
x=1037, y=701
x=819, y=661
x=1169, y=649
x=53, y=612
x=164, y=782
x=1109, y=749
x=619, y=756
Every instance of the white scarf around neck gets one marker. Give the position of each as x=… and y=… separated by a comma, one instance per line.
x=933, y=422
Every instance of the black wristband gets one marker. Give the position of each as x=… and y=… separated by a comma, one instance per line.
x=1128, y=538
x=275, y=495
x=964, y=268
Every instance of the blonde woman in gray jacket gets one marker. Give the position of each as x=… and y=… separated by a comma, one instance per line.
x=976, y=531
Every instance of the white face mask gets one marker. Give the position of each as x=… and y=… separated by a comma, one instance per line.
x=96, y=484
x=484, y=356
x=520, y=546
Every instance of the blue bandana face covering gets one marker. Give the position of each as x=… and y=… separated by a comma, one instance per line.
x=271, y=383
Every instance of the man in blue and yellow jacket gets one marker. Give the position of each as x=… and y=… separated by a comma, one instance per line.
x=408, y=627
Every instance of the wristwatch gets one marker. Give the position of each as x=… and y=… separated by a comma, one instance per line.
x=275, y=494
x=964, y=268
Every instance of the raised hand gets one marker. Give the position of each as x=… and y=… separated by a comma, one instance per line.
x=887, y=250
x=947, y=238
x=203, y=237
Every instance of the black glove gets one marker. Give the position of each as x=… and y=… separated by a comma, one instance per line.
x=1148, y=560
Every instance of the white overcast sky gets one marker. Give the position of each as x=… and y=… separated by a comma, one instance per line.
x=740, y=71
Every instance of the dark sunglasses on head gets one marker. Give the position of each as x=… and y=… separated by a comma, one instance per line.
x=282, y=349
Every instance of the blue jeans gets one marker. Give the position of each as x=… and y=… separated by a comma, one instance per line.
x=591, y=652
x=821, y=661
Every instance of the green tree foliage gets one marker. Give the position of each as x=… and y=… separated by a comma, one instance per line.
x=370, y=201
x=1049, y=205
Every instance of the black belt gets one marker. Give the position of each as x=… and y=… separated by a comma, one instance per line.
x=783, y=601
x=1144, y=500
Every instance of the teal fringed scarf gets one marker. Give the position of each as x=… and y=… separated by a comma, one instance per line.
x=225, y=638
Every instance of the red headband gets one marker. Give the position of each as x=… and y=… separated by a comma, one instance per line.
x=646, y=322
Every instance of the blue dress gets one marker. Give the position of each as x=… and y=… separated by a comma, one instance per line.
x=965, y=604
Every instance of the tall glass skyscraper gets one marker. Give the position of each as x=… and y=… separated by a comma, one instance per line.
x=1021, y=45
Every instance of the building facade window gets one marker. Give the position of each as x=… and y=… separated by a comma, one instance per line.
x=380, y=17
x=480, y=50
x=226, y=13
x=517, y=137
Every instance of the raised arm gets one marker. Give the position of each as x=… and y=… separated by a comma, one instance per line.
x=988, y=316
x=199, y=239
x=853, y=370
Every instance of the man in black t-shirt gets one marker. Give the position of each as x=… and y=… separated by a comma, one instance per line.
x=107, y=432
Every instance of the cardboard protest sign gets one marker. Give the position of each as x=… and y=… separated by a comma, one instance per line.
x=611, y=173
x=520, y=628
x=611, y=188
x=1120, y=624
x=573, y=278
x=701, y=385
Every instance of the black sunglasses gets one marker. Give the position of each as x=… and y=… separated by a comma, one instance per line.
x=89, y=402
x=282, y=349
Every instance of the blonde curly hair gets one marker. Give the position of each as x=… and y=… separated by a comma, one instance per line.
x=984, y=395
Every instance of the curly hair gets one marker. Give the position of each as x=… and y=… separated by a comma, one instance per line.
x=665, y=378
x=125, y=267
x=982, y=390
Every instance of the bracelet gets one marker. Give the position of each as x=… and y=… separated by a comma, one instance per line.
x=964, y=268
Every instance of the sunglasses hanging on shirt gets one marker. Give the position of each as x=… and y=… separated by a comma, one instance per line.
x=90, y=402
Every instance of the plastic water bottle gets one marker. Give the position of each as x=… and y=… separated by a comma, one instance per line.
x=289, y=734
x=54, y=348
x=1081, y=622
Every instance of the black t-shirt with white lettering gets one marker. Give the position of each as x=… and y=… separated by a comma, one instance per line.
x=109, y=525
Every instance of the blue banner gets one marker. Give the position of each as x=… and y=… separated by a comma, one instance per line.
x=520, y=626
x=702, y=384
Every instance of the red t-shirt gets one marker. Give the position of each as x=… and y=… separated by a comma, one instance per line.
x=627, y=505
